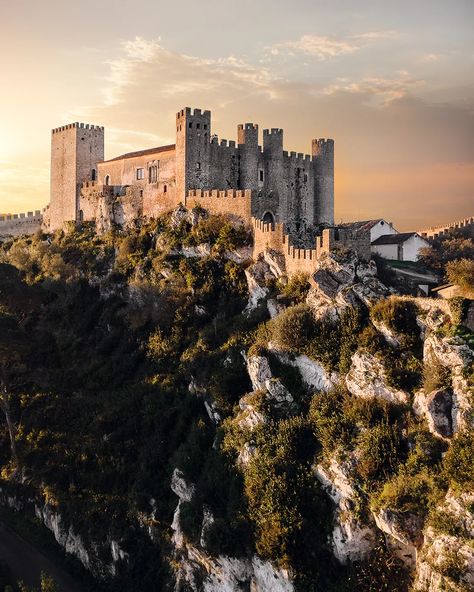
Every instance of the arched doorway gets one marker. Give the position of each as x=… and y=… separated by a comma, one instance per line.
x=269, y=218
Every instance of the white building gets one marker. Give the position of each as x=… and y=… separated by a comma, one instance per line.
x=404, y=246
x=376, y=228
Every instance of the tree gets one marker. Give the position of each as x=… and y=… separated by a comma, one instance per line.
x=461, y=272
x=13, y=348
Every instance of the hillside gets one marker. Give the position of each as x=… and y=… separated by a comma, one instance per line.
x=181, y=417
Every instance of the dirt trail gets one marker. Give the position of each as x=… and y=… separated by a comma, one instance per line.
x=26, y=563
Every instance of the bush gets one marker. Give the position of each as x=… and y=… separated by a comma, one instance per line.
x=435, y=376
x=408, y=493
x=461, y=272
x=297, y=287
x=293, y=328
x=459, y=461
x=379, y=450
x=333, y=430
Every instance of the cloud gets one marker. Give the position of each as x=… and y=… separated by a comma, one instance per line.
x=430, y=58
x=313, y=45
x=324, y=48
x=379, y=91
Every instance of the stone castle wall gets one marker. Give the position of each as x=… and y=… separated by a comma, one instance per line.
x=272, y=236
x=233, y=203
x=19, y=224
x=440, y=230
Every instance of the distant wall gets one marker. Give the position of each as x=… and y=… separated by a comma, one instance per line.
x=18, y=224
x=436, y=231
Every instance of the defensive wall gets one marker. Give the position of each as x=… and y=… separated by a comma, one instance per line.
x=231, y=202
x=19, y=224
x=272, y=236
x=440, y=230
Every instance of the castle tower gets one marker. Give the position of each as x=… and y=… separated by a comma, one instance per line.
x=274, y=184
x=193, y=149
x=75, y=151
x=247, y=140
x=323, y=169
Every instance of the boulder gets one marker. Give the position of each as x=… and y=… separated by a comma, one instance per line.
x=366, y=378
x=437, y=408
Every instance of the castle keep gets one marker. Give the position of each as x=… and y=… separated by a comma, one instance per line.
x=236, y=177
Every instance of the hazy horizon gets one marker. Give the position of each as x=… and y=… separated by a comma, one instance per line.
x=391, y=84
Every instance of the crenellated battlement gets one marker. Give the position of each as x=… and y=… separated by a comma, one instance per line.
x=217, y=193
x=77, y=125
x=297, y=156
x=22, y=216
x=247, y=126
x=274, y=131
x=194, y=113
x=440, y=229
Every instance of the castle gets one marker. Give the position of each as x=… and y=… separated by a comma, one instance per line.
x=294, y=189
x=287, y=198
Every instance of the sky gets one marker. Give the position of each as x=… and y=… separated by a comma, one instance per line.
x=391, y=82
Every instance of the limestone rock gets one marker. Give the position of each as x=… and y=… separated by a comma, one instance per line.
x=181, y=487
x=257, y=276
x=275, y=261
x=259, y=371
x=312, y=373
x=366, y=379
x=446, y=563
x=404, y=532
x=351, y=539
x=339, y=282
x=201, y=250
x=455, y=355
x=437, y=408
x=274, y=307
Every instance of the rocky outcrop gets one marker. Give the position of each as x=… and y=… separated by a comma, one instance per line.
x=445, y=561
x=403, y=533
x=312, y=373
x=453, y=354
x=342, y=281
x=257, y=276
x=275, y=261
x=201, y=572
x=267, y=392
x=437, y=408
x=366, y=378
x=351, y=539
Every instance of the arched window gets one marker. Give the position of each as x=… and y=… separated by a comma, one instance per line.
x=93, y=175
x=165, y=188
x=269, y=218
x=107, y=180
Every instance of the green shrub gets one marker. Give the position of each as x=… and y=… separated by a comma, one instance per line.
x=379, y=450
x=435, y=376
x=293, y=328
x=333, y=430
x=297, y=287
x=459, y=461
x=408, y=493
